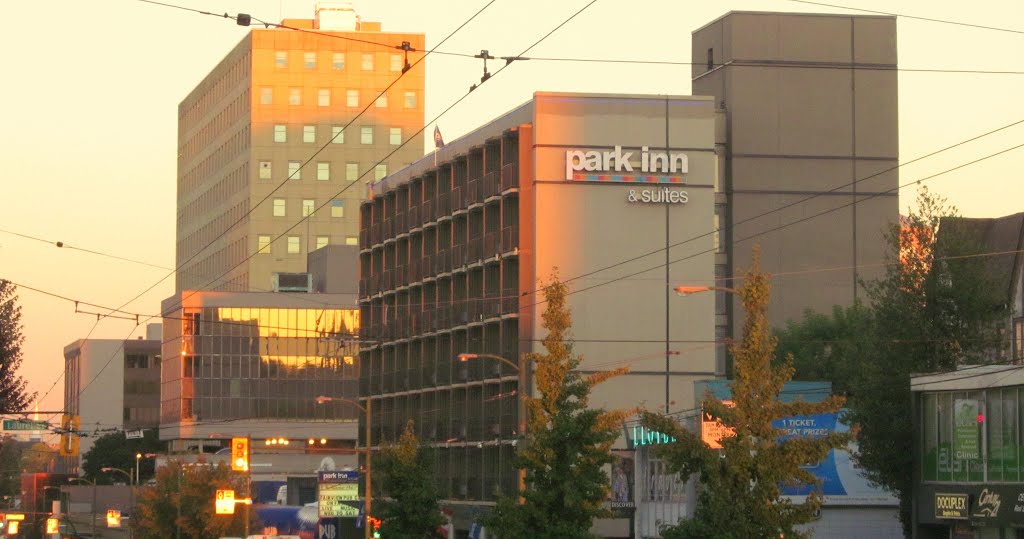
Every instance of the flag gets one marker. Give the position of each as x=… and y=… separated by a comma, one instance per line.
x=438, y=141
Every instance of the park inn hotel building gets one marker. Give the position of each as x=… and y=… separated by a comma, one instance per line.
x=454, y=248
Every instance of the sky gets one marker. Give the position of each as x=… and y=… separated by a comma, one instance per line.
x=87, y=155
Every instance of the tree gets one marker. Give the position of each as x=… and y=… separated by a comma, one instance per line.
x=114, y=451
x=11, y=451
x=825, y=347
x=184, y=496
x=568, y=444
x=935, y=307
x=411, y=509
x=14, y=395
x=38, y=458
x=740, y=498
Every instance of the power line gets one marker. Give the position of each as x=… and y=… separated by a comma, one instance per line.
x=914, y=17
x=775, y=65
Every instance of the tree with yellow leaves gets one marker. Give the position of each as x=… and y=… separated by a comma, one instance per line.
x=410, y=509
x=567, y=443
x=741, y=483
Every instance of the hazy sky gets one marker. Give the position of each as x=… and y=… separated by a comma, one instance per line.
x=90, y=109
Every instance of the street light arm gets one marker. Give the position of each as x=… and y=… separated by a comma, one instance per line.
x=466, y=357
x=126, y=474
x=684, y=290
x=323, y=399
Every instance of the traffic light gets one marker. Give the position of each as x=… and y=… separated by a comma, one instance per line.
x=113, y=518
x=240, y=454
x=12, y=527
x=52, y=525
x=374, y=524
x=69, y=439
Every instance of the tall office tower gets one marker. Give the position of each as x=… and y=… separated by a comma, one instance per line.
x=810, y=112
x=263, y=111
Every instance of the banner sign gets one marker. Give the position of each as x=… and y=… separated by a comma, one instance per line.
x=334, y=492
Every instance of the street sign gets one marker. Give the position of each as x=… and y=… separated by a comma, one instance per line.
x=712, y=430
x=225, y=502
x=25, y=424
x=133, y=434
x=52, y=525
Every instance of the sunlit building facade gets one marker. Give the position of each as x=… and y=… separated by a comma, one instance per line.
x=237, y=364
x=247, y=130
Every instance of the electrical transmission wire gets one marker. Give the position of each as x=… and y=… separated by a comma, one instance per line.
x=913, y=17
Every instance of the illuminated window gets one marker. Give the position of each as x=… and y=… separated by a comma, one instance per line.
x=280, y=133
x=323, y=97
x=294, y=96
x=294, y=245
x=351, y=240
x=366, y=135
x=352, y=98
x=338, y=134
x=396, y=62
x=382, y=101
x=266, y=170
x=323, y=171
x=379, y=172
x=410, y=100
x=309, y=133
x=322, y=241
x=281, y=58
x=294, y=170
x=266, y=96
x=338, y=61
x=367, y=62
x=337, y=208
x=351, y=171
x=308, y=206
x=309, y=60
x=279, y=207
x=395, y=136
x=263, y=244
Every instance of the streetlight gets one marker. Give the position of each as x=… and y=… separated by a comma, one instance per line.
x=131, y=489
x=93, y=483
x=138, y=457
x=684, y=290
x=369, y=452
x=520, y=399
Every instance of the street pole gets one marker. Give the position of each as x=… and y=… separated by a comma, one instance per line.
x=93, y=527
x=248, y=482
x=369, y=468
x=177, y=521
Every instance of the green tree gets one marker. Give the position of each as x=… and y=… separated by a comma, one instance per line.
x=826, y=347
x=11, y=451
x=934, y=308
x=38, y=458
x=114, y=451
x=567, y=443
x=14, y=395
x=740, y=498
x=184, y=496
x=411, y=509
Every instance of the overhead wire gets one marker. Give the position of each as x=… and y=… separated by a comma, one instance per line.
x=913, y=17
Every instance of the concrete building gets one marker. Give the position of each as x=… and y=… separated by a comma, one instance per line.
x=454, y=253
x=252, y=364
x=810, y=125
x=112, y=384
x=255, y=120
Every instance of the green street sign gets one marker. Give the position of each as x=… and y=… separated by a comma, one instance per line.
x=25, y=424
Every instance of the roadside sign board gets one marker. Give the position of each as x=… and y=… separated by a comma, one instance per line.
x=25, y=424
x=334, y=489
x=225, y=502
x=134, y=434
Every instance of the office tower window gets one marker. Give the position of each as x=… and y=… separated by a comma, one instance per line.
x=366, y=135
x=309, y=60
x=382, y=101
x=338, y=134
x=379, y=172
x=294, y=245
x=367, y=62
x=266, y=96
x=410, y=100
x=351, y=240
x=294, y=96
x=294, y=170
x=351, y=171
x=395, y=136
x=352, y=98
x=323, y=97
x=338, y=61
x=263, y=244
x=337, y=208
x=309, y=133
x=322, y=241
x=308, y=206
x=280, y=208
x=266, y=170
x=323, y=171
x=396, y=62
x=281, y=58
x=280, y=133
